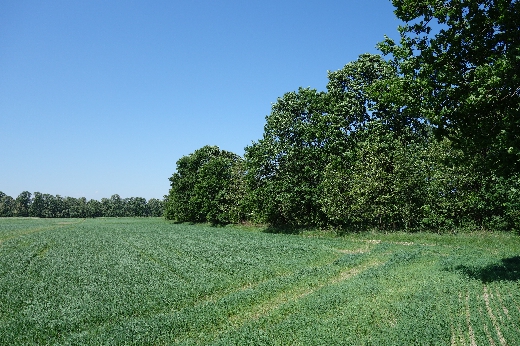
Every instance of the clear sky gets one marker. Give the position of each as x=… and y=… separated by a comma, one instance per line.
x=103, y=97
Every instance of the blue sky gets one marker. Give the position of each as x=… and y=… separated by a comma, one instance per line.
x=103, y=97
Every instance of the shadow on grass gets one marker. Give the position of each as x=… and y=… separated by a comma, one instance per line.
x=507, y=270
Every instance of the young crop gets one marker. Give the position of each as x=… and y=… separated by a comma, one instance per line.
x=148, y=281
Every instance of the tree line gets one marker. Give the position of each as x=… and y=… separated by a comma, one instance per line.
x=424, y=136
x=49, y=206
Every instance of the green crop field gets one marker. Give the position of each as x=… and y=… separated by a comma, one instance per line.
x=148, y=281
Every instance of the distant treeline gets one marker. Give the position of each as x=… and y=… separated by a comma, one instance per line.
x=428, y=139
x=47, y=206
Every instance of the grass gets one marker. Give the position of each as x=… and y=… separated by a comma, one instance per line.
x=148, y=281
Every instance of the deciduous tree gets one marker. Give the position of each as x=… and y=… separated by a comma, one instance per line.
x=22, y=204
x=202, y=185
x=459, y=67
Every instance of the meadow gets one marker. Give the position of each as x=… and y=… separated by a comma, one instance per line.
x=149, y=281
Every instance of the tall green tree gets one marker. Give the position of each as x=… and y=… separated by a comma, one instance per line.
x=116, y=206
x=305, y=132
x=155, y=207
x=37, y=208
x=459, y=67
x=135, y=207
x=94, y=208
x=380, y=183
x=46, y=206
x=202, y=186
x=284, y=167
x=22, y=204
x=74, y=207
x=7, y=204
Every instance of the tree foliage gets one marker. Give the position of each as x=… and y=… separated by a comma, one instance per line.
x=380, y=184
x=309, y=131
x=204, y=188
x=429, y=139
x=22, y=204
x=7, y=204
x=459, y=66
x=49, y=206
x=284, y=167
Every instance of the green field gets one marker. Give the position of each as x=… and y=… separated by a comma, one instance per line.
x=147, y=281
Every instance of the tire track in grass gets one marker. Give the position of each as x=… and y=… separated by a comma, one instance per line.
x=27, y=232
x=286, y=288
x=459, y=325
x=484, y=319
x=201, y=300
x=488, y=334
x=501, y=303
x=471, y=333
x=515, y=314
x=477, y=319
x=454, y=333
x=510, y=316
x=213, y=297
x=41, y=248
x=487, y=297
x=190, y=309
x=287, y=275
x=219, y=304
x=268, y=307
x=206, y=298
x=517, y=305
x=509, y=329
x=292, y=296
x=222, y=304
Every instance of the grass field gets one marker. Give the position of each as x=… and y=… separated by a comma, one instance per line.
x=147, y=281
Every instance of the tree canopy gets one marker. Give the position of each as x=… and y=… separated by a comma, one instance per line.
x=55, y=206
x=204, y=188
x=389, y=146
x=458, y=64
